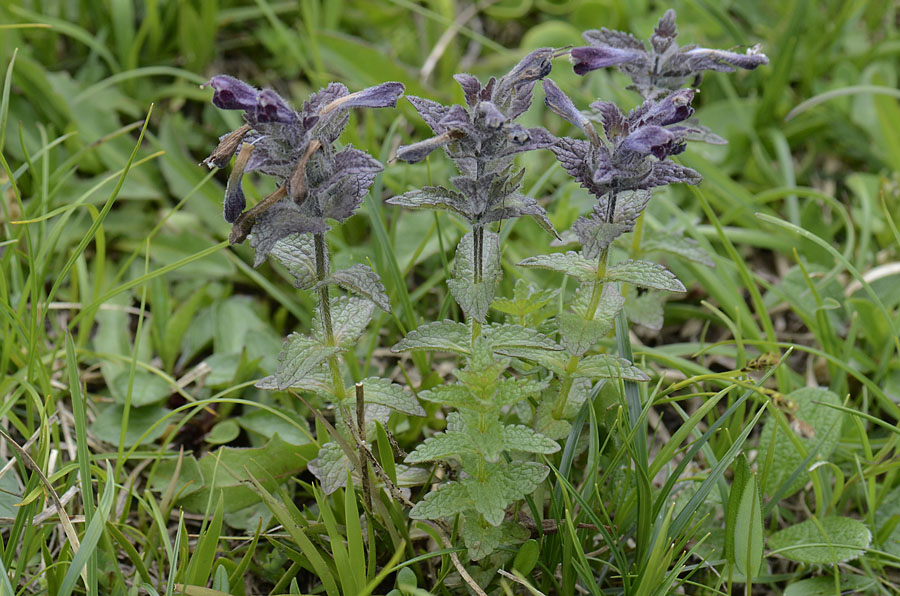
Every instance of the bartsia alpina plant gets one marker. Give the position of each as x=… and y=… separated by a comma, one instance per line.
x=665, y=65
x=316, y=182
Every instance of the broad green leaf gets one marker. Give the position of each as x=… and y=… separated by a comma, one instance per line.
x=527, y=557
x=377, y=390
x=224, y=432
x=595, y=234
x=521, y=438
x=839, y=539
x=361, y=280
x=224, y=470
x=578, y=335
x=887, y=526
x=455, y=396
x=318, y=380
x=506, y=336
x=442, y=446
x=676, y=244
x=824, y=585
x=330, y=467
x=479, y=536
x=527, y=299
x=570, y=263
x=300, y=356
x=298, y=254
x=445, y=336
x=503, y=483
x=817, y=426
x=475, y=298
x=604, y=366
x=512, y=391
x=9, y=489
x=449, y=499
x=559, y=428
x=644, y=274
x=107, y=424
x=646, y=309
x=349, y=317
x=147, y=388
x=265, y=424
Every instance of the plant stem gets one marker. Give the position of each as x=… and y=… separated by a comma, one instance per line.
x=361, y=429
x=596, y=292
x=325, y=313
x=478, y=250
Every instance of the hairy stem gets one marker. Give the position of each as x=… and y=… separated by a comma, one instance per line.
x=325, y=313
x=596, y=292
x=361, y=429
x=478, y=251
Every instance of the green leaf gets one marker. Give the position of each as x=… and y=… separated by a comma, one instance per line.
x=748, y=528
x=527, y=557
x=570, y=263
x=604, y=366
x=503, y=483
x=455, y=396
x=362, y=280
x=512, y=391
x=224, y=470
x=91, y=536
x=527, y=299
x=578, y=335
x=383, y=392
x=646, y=309
x=441, y=446
x=300, y=356
x=298, y=254
x=223, y=432
x=265, y=424
x=475, y=298
x=506, y=336
x=107, y=424
x=596, y=234
x=448, y=500
x=521, y=438
x=841, y=538
x=434, y=197
x=349, y=317
x=825, y=586
x=201, y=562
x=817, y=426
x=644, y=274
x=445, y=336
x=479, y=536
x=676, y=244
x=330, y=467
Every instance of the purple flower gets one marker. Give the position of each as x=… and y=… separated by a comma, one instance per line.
x=665, y=66
x=632, y=156
x=314, y=180
x=483, y=138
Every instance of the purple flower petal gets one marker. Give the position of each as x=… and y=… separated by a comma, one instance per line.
x=272, y=108
x=587, y=59
x=647, y=139
x=231, y=93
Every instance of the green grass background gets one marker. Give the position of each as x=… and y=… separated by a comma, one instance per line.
x=129, y=329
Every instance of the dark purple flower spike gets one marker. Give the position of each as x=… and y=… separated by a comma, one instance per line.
x=482, y=137
x=666, y=66
x=315, y=181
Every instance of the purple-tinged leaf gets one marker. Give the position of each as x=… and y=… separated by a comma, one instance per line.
x=431, y=111
x=471, y=88
x=281, y=220
x=665, y=32
x=560, y=104
x=648, y=139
